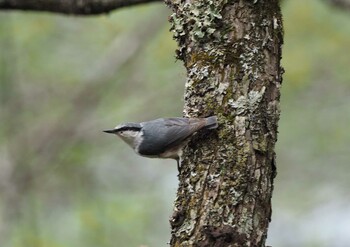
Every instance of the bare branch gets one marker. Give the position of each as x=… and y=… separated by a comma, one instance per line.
x=342, y=4
x=72, y=7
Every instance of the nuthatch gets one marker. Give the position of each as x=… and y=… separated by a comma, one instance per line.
x=163, y=137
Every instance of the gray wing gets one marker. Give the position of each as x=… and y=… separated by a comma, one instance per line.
x=164, y=133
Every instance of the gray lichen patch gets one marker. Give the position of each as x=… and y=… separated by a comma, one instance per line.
x=199, y=22
x=198, y=72
x=247, y=104
x=255, y=98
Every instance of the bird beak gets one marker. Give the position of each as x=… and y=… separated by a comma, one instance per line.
x=113, y=131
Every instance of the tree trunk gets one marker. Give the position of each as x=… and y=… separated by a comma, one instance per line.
x=232, y=52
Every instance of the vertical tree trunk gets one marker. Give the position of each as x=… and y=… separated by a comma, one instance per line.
x=232, y=52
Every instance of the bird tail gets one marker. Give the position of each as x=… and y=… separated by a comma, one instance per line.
x=211, y=122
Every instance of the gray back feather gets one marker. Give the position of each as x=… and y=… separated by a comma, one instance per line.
x=164, y=133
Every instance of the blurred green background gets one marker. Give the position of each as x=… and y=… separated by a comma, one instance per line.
x=64, y=79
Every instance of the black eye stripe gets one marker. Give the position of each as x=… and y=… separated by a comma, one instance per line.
x=129, y=128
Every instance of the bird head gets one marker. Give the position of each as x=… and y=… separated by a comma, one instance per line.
x=128, y=132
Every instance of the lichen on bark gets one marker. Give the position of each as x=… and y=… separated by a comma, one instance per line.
x=232, y=52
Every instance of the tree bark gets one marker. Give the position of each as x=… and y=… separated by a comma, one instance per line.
x=232, y=52
x=80, y=7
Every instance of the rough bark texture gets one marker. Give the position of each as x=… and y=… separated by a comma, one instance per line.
x=232, y=52
x=76, y=7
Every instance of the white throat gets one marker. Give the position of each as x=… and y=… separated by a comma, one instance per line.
x=130, y=137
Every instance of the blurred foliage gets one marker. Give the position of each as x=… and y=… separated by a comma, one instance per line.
x=64, y=79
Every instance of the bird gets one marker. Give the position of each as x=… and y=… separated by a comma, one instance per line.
x=162, y=137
